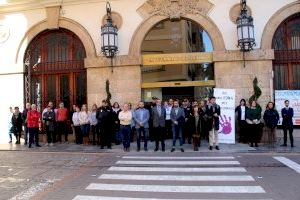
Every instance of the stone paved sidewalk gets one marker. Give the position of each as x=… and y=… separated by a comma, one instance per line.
x=227, y=148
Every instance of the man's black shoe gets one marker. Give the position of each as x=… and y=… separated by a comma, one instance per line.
x=217, y=147
x=210, y=148
x=156, y=149
x=283, y=145
x=38, y=145
x=182, y=150
x=173, y=149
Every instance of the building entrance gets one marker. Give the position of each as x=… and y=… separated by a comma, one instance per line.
x=177, y=62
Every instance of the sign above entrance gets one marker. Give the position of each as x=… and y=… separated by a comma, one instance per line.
x=177, y=58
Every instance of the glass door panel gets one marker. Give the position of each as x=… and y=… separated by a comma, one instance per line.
x=80, y=88
x=50, y=89
x=65, y=89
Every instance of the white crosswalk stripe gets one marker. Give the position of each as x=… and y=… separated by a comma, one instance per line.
x=179, y=158
x=84, y=197
x=173, y=175
x=151, y=162
x=173, y=169
x=291, y=164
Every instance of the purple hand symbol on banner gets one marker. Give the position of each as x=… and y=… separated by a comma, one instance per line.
x=225, y=124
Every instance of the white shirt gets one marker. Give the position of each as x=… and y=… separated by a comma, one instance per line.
x=168, y=112
x=75, y=119
x=243, y=113
x=125, y=117
x=84, y=117
x=93, y=118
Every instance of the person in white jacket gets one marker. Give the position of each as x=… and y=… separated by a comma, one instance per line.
x=76, y=123
x=84, y=119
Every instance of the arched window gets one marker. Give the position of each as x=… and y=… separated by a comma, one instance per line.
x=286, y=43
x=60, y=75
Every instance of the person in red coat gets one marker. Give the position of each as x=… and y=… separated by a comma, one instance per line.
x=34, y=125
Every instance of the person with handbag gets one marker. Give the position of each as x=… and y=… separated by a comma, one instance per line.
x=196, y=128
x=49, y=119
x=271, y=118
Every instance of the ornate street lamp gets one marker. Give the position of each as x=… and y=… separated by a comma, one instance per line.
x=109, y=35
x=245, y=30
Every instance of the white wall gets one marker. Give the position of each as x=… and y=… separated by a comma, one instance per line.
x=18, y=23
x=262, y=11
x=11, y=90
x=90, y=16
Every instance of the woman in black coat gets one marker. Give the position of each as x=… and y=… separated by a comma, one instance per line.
x=271, y=118
x=241, y=111
x=17, y=123
x=196, y=128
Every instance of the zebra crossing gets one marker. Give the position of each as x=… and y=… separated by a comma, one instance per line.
x=163, y=177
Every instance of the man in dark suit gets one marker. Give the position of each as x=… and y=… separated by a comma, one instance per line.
x=287, y=114
x=159, y=123
x=178, y=120
x=213, y=112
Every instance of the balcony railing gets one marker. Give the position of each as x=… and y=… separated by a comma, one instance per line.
x=59, y=66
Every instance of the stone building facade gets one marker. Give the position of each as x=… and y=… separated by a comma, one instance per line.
x=22, y=21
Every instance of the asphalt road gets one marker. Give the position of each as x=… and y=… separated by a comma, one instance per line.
x=149, y=175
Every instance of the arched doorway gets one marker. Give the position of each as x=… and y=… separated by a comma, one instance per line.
x=57, y=68
x=286, y=43
x=177, y=61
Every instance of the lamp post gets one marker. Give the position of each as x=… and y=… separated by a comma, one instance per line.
x=245, y=30
x=109, y=36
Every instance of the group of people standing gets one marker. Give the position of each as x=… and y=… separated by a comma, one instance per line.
x=251, y=122
x=183, y=121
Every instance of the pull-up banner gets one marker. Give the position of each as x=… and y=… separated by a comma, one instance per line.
x=225, y=98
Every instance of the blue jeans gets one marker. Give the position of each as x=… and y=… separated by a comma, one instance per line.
x=85, y=130
x=139, y=132
x=126, y=131
x=177, y=131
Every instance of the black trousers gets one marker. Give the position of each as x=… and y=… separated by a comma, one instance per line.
x=168, y=129
x=33, y=136
x=105, y=135
x=242, y=131
x=78, y=135
x=254, y=133
x=160, y=136
x=94, y=130
x=18, y=136
x=50, y=135
x=187, y=133
x=285, y=130
x=62, y=129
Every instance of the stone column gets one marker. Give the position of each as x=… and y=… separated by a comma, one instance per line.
x=125, y=84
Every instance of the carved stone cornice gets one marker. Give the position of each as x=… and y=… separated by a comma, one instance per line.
x=174, y=9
